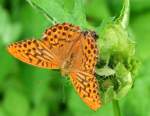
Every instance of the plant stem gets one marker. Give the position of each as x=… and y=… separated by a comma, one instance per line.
x=124, y=15
x=116, y=108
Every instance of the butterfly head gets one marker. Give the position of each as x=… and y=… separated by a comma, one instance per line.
x=91, y=33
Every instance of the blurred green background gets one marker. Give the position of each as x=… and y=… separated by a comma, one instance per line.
x=29, y=91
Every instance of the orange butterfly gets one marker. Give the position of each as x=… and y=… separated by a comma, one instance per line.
x=65, y=47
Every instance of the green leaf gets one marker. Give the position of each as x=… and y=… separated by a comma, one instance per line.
x=106, y=71
x=33, y=23
x=78, y=13
x=56, y=11
x=52, y=9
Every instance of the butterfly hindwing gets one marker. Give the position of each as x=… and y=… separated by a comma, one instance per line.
x=87, y=88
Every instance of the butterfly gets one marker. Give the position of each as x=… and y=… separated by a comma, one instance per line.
x=68, y=48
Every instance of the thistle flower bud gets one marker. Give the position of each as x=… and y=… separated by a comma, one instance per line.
x=118, y=64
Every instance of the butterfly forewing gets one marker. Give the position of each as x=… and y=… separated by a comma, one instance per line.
x=45, y=53
x=60, y=38
x=34, y=52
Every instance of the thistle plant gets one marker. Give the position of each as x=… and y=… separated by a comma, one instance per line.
x=118, y=64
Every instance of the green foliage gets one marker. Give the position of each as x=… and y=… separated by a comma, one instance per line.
x=8, y=29
x=29, y=91
x=57, y=10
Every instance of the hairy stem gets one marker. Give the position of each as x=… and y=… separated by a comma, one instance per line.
x=116, y=108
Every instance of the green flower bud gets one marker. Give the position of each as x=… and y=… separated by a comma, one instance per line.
x=115, y=39
x=118, y=64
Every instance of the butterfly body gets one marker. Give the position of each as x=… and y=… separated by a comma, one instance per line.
x=68, y=48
